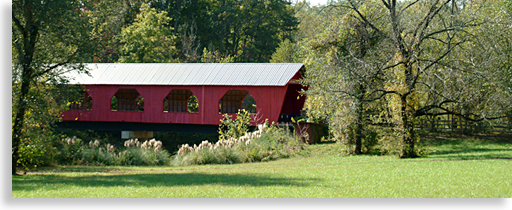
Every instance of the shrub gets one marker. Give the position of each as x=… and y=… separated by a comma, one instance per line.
x=236, y=128
x=267, y=143
x=140, y=156
x=93, y=153
x=36, y=151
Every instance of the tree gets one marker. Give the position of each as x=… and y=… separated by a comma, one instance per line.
x=46, y=35
x=269, y=23
x=343, y=66
x=335, y=48
x=149, y=39
x=107, y=18
x=454, y=65
x=248, y=30
x=424, y=38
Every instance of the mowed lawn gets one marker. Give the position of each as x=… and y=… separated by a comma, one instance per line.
x=463, y=166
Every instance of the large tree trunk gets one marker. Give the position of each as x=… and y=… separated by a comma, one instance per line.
x=19, y=120
x=407, y=146
x=30, y=33
x=359, y=129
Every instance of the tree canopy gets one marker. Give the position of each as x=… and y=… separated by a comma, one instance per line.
x=149, y=39
x=397, y=61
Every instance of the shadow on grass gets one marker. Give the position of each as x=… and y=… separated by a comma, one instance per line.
x=455, y=146
x=35, y=182
x=473, y=154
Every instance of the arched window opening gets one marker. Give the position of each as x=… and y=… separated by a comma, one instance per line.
x=181, y=100
x=127, y=100
x=113, y=103
x=84, y=103
x=234, y=100
x=249, y=104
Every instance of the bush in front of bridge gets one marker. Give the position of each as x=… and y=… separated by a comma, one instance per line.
x=267, y=143
x=147, y=153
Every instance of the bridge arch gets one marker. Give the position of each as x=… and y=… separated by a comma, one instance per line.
x=84, y=103
x=181, y=100
x=127, y=99
x=233, y=100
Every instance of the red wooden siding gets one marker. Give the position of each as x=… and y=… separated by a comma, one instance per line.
x=271, y=102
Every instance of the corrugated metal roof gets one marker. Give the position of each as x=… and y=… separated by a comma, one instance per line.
x=239, y=74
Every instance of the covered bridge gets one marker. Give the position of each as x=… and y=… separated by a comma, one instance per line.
x=182, y=97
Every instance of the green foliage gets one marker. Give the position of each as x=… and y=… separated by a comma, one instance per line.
x=362, y=70
x=270, y=143
x=36, y=151
x=193, y=104
x=149, y=39
x=216, y=57
x=241, y=31
x=45, y=36
x=275, y=143
x=253, y=27
x=129, y=157
x=39, y=142
x=236, y=128
x=287, y=52
x=73, y=151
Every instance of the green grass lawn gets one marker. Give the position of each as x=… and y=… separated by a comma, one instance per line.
x=458, y=166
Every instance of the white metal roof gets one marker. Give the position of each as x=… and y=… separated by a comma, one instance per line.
x=240, y=74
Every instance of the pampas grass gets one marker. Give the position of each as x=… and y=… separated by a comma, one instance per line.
x=267, y=143
x=135, y=153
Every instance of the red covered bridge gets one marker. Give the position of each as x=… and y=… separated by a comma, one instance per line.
x=171, y=97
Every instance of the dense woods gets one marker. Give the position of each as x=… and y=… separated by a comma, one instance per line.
x=374, y=68
x=248, y=31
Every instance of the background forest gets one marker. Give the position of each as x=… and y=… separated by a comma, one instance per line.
x=374, y=68
x=188, y=30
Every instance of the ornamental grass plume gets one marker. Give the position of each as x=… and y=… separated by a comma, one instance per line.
x=153, y=143
x=204, y=144
x=69, y=141
x=184, y=149
x=158, y=146
x=262, y=145
x=94, y=144
x=144, y=145
x=110, y=148
x=131, y=143
x=229, y=143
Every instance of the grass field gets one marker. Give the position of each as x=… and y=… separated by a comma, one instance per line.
x=457, y=166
